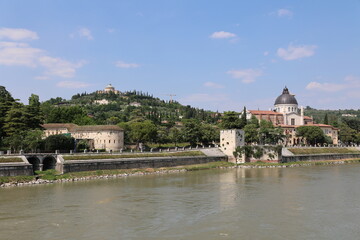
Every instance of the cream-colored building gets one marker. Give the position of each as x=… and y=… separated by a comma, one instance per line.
x=108, y=137
x=287, y=115
x=108, y=89
x=102, y=102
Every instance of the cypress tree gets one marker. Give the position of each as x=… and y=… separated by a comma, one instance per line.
x=326, y=120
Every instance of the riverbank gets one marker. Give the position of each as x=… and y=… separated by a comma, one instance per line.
x=51, y=176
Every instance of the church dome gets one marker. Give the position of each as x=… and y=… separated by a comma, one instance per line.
x=286, y=98
x=109, y=87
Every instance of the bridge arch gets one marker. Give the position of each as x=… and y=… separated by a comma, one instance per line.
x=49, y=162
x=35, y=162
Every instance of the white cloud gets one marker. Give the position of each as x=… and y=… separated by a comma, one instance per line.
x=21, y=54
x=17, y=54
x=213, y=85
x=222, y=34
x=42, y=77
x=350, y=83
x=326, y=87
x=111, y=30
x=246, y=75
x=284, y=13
x=59, y=67
x=122, y=64
x=82, y=33
x=86, y=33
x=266, y=53
x=17, y=34
x=296, y=52
x=12, y=44
x=72, y=84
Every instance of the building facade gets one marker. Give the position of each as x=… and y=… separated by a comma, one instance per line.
x=108, y=137
x=287, y=115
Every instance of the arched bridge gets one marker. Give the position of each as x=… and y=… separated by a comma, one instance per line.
x=41, y=161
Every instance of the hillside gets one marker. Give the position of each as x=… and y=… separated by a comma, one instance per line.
x=111, y=108
x=334, y=116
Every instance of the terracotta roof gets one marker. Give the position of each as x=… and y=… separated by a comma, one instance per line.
x=73, y=127
x=99, y=128
x=261, y=112
x=322, y=125
x=306, y=117
x=69, y=126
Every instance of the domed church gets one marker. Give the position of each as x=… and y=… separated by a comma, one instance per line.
x=287, y=115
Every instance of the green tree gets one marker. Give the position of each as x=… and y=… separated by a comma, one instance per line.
x=126, y=127
x=175, y=135
x=313, y=135
x=32, y=140
x=83, y=120
x=59, y=142
x=231, y=120
x=210, y=133
x=269, y=134
x=162, y=135
x=192, y=131
x=347, y=135
x=6, y=102
x=326, y=120
x=255, y=121
x=251, y=133
x=15, y=141
x=243, y=120
x=35, y=115
x=142, y=132
x=15, y=120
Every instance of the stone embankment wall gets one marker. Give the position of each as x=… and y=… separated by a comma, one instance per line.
x=155, y=162
x=16, y=169
x=23, y=168
x=319, y=157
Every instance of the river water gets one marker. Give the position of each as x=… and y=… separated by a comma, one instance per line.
x=320, y=202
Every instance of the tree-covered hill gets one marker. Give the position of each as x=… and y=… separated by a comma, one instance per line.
x=84, y=109
x=333, y=117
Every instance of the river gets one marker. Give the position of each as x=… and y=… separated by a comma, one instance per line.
x=319, y=202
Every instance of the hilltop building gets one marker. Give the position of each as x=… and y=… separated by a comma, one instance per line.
x=287, y=115
x=108, y=89
x=108, y=137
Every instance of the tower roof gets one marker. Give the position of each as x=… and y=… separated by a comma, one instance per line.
x=286, y=98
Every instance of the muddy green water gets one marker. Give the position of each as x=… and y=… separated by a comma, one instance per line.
x=320, y=202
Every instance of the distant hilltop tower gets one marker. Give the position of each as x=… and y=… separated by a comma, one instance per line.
x=108, y=89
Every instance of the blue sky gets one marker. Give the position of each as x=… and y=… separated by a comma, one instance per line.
x=217, y=55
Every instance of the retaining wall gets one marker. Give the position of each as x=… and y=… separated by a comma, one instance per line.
x=319, y=157
x=154, y=162
x=16, y=169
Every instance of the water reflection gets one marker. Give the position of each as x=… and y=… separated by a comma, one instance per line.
x=276, y=203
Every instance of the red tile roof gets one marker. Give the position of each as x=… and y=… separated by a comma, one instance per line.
x=261, y=112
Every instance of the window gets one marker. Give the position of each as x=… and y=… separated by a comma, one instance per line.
x=293, y=121
x=288, y=109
